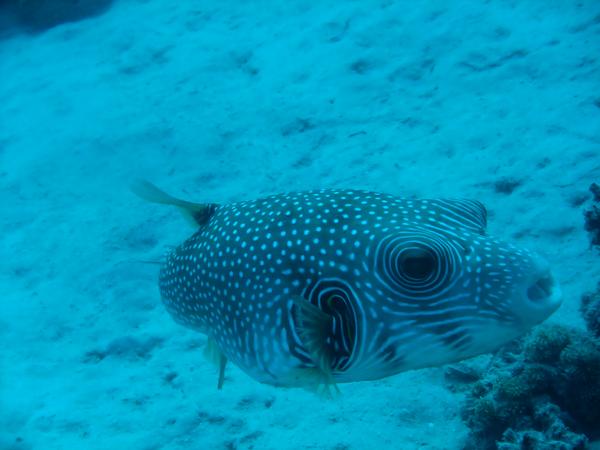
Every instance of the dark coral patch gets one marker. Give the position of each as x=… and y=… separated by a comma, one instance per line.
x=545, y=394
x=40, y=15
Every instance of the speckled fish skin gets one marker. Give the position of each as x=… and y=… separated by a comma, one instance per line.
x=407, y=283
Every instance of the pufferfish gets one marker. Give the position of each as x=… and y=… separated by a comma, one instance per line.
x=331, y=286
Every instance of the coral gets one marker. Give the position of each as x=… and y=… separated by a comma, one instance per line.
x=537, y=379
x=592, y=216
x=493, y=409
x=514, y=393
x=545, y=346
x=40, y=15
x=590, y=310
x=579, y=392
x=545, y=397
x=595, y=190
x=557, y=435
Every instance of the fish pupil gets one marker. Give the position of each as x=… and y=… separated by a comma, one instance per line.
x=418, y=264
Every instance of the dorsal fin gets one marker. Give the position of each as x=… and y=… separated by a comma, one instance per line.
x=197, y=213
x=469, y=214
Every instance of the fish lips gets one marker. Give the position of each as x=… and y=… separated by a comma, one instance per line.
x=539, y=299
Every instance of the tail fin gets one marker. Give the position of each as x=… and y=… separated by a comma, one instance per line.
x=197, y=213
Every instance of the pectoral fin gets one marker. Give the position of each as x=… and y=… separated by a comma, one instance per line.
x=314, y=328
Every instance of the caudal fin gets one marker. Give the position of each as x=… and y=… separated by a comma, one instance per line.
x=197, y=213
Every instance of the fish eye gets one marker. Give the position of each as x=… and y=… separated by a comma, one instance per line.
x=417, y=264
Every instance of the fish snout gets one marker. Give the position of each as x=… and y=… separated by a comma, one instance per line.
x=541, y=296
x=542, y=289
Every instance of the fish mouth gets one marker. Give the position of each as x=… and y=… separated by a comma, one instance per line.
x=542, y=289
x=542, y=297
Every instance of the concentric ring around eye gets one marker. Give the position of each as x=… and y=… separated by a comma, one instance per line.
x=415, y=264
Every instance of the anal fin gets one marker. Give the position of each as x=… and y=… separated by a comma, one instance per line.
x=213, y=353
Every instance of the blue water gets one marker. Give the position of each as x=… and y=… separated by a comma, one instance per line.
x=224, y=101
